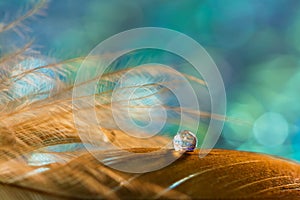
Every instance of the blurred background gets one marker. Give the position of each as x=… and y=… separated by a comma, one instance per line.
x=255, y=44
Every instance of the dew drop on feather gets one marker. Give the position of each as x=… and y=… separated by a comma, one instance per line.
x=185, y=141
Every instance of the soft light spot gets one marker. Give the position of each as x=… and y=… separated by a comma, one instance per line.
x=270, y=129
x=27, y=80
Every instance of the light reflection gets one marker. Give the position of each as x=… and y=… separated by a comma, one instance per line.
x=40, y=159
x=37, y=81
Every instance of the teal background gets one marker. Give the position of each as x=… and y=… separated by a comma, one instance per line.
x=255, y=44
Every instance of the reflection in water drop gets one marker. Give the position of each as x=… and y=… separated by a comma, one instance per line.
x=185, y=141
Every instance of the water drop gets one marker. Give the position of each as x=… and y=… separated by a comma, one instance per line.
x=185, y=141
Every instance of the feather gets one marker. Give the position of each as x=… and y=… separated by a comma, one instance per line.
x=43, y=157
x=37, y=9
